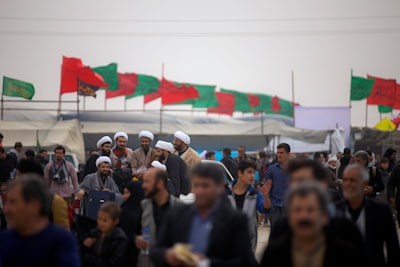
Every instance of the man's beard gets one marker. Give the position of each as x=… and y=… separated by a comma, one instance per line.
x=145, y=148
x=178, y=147
x=152, y=193
x=161, y=158
x=106, y=153
x=104, y=174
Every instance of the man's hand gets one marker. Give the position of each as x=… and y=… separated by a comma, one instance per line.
x=392, y=200
x=106, y=190
x=171, y=258
x=266, y=188
x=368, y=189
x=89, y=242
x=80, y=194
x=140, y=243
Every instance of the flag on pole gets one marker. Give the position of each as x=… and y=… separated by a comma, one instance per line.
x=254, y=101
x=109, y=74
x=17, y=88
x=69, y=74
x=172, y=93
x=360, y=88
x=384, y=109
x=89, y=82
x=383, y=92
x=241, y=101
x=265, y=104
x=126, y=85
x=226, y=104
x=146, y=85
x=206, y=98
x=275, y=105
x=385, y=125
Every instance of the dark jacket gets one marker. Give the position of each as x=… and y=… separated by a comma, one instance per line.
x=375, y=180
x=177, y=171
x=110, y=252
x=229, y=241
x=379, y=229
x=393, y=189
x=7, y=165
x=339, y=252
x=90, y=166
x=231, y=165
x=131, y=211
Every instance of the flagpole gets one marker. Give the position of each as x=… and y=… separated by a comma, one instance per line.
x=162, y=106
x=351, y=77
x=293, y=98
x=84, y=103
x=366, y=113
x=77, y=101
x=59, y=100
x=105, y=103
x=125, y=104
x=2, y=106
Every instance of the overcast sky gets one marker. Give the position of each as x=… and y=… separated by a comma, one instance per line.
x=251, y=46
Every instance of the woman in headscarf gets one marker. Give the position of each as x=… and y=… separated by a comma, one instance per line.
x=130, y=217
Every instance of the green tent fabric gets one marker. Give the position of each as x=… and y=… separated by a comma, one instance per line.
x=206, y=98
x=146, y=84
x=109, y=74
x=241, y=101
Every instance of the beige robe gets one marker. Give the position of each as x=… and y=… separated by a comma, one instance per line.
x=114, y=159
x=190, y=157
x=139, y=159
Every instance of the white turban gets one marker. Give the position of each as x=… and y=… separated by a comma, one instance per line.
x=103, y=140
x=182, y=136
x=120, y=134
x=103, y=159
x=165, y=146
x=146, y=134
x=332, y=158
x=158, y=165
x=203, y=154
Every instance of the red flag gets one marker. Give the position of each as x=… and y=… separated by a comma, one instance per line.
x=172, y=93
x=254, y=100
x=89, y=82
x=397, y=102
x=226, y=104
x=69, y=74
x=383, y=92
x=127, y=83
x=152, y=96
x=275, y=104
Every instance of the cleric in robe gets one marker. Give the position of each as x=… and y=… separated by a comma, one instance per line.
x=188, y=154
x=144, y=155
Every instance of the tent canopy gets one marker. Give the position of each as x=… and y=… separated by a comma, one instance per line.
x=45, y=134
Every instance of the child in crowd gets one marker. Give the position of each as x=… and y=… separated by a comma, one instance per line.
x=107, y=245
x=3, y=200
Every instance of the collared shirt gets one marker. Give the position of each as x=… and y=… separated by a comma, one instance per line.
x=200, y=231
x=279, y=184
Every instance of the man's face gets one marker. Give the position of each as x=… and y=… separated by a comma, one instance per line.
x=104, y=222
x=44, y=154
x=106, y=149
x=17, y=211
x=361, y=161
x=163, y=155
x=384, y=166
x=393, y=156
x=332, y=163
x=247, y=176
x=19, y=149
x=178, y=144
x=353, y=184
x=305, y=216
x=159, y=152
x=149, y=183
x=59, y=154
x=104, y=168
x=206, y=191
x=282, y=155
x=212, y=157
x=145, y=143
x=241, y=151
x=301, y=175
x=121, y=142
x=3, y=155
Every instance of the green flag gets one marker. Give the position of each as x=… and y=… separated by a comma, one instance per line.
x=17, y=88
x=360, y=88
x=265, y=103
x=206, y=98
x=109, y=74
x=384, y=109
x=241, y=101
x=286, y=108
x=146, y=84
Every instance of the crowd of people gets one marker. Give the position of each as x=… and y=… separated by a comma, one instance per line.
x=322, y=210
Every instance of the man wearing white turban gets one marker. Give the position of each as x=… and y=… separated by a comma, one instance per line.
x=100, y=180
x=143, y=156
x=104, y=149
x=188, y=154
x=121, y=156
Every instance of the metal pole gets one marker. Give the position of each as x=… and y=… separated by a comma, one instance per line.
x=293, y=99
x=366, y=114
x=262, y=123
x=2, y=106
x=161, y=120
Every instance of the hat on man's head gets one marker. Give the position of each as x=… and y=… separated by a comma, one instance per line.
x=103, y=159
x=165, y=146
x=158, y=165
x=121, y=134
x=183, y=137
x=103, y=140
x=146, y=134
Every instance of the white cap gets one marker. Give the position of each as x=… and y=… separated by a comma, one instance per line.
x=103, y=140
x=332, y=158
x=103, y=159
x=182, y=136
x=165, y=146
x=158, y=165
x=121, y=134
x=146, y=134
x=203, y=154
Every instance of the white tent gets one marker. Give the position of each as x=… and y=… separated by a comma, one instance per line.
x=46, y=134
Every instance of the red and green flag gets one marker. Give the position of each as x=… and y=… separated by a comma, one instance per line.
x=226, y=104
x=275, y=105
x=89, y=82
x=17, y=88
x=383, y=92
x=109, y=74
x=241, y=101
x=69, y=74
x=127, y=83
x=206, y=99
x=265, y=103
x=360, y=88
x=146, y=85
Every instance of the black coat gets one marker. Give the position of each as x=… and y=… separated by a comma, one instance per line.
x=380, y=229
x=229, y=241
x=232, y=166
x=90, y=166
x=177, y=171
x=339, y=252
x=393, y=189
x=111, y=252
x=375, y=180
